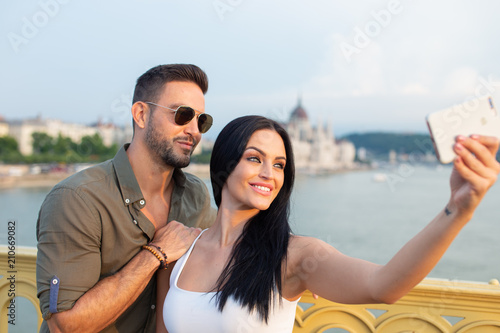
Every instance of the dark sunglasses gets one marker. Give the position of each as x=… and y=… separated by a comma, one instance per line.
x=184, y=114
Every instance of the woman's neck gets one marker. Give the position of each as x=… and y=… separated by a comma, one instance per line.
x=229, y=225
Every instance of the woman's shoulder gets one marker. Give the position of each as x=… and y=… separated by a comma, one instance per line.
x=305, y=254
x=302, y=243
x=302, y=248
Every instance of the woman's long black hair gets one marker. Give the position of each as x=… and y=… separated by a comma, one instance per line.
x=255, y=268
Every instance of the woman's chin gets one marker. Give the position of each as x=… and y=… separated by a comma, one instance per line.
x=263, y=206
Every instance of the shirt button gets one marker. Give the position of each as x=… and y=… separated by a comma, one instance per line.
x=135, y=222
x=127, y=200
x=153, y=307
x=142, y=202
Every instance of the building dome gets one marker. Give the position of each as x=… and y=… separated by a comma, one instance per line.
x=299, y=112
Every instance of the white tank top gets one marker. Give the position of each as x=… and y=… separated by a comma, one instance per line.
x=189, y=311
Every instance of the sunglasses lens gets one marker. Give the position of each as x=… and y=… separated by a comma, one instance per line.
x=204, y=122
x=184, y=115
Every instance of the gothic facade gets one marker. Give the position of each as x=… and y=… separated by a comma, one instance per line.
x=315, y=148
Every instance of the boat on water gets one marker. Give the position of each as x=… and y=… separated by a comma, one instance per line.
x=379, y=177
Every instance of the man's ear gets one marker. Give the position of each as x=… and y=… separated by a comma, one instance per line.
x=140, y=113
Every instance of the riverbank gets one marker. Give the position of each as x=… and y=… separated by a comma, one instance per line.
x=22, y=176
x=39, y=180
x=27, y=180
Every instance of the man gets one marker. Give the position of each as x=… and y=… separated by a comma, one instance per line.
x=104, y=232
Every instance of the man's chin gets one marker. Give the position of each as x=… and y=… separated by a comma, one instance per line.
x=185, y=160
x=182, y=163
x=179, y=161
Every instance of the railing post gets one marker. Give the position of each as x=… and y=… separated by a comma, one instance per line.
x=18, y=280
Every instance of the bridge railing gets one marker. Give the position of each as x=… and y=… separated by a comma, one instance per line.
x=432, y=306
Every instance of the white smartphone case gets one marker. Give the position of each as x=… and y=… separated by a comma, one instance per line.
x=476, y=116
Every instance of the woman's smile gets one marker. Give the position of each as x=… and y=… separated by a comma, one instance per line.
x=264, y=189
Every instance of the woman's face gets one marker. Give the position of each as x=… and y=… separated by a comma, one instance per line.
x=257, y=179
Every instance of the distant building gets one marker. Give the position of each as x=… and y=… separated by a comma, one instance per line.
x=362, y=154
x=4, y=127
x=23, y=130
x=315, y=148
x=393, y=156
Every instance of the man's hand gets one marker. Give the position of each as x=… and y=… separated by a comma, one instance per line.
x=175, y=239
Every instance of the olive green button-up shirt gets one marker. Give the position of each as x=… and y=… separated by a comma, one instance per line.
x=91, y=225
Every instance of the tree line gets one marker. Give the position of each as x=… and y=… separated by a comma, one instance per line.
x=379, y=144
x=47, y=149
x=91, y=149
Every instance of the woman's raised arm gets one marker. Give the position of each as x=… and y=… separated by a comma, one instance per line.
x=316, y=266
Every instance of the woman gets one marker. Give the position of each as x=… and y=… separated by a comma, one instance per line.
x=247, y=272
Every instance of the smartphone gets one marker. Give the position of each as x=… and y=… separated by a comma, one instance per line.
x=476, y=116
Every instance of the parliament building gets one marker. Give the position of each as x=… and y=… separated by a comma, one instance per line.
x=316, y=149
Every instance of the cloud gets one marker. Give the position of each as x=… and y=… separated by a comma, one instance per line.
x=362, y=77
x=258, y=58
x=414, y=89
x=461, y=81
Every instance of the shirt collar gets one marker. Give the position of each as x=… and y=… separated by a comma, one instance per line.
x=179, y=178
x=130, y=190
x=179, y=185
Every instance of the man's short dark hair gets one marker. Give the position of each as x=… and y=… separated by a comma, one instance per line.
x=150, y=85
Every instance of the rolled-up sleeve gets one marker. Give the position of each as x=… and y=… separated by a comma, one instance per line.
x=69, y=236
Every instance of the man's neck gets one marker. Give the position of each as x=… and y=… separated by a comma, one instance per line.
x=153, y=177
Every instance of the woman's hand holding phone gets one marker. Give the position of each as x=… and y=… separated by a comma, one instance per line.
x=475, y=171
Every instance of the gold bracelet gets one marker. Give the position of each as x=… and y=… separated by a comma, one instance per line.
x=150, y=249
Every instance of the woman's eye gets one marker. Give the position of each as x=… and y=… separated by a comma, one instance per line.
x=279, y=165
x=253, y=159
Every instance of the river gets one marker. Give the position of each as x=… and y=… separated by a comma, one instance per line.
x=359, y=216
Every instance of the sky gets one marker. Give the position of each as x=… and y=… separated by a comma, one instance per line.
x=360, y=65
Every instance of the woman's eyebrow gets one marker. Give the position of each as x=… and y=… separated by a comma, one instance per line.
x=264, y=154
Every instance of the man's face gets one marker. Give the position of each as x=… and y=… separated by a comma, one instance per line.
x=173, y=144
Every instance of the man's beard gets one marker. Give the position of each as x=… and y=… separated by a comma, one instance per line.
x=164, y=149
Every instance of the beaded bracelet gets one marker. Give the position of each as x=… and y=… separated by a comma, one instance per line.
x=161, y=251
x=163, y=263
